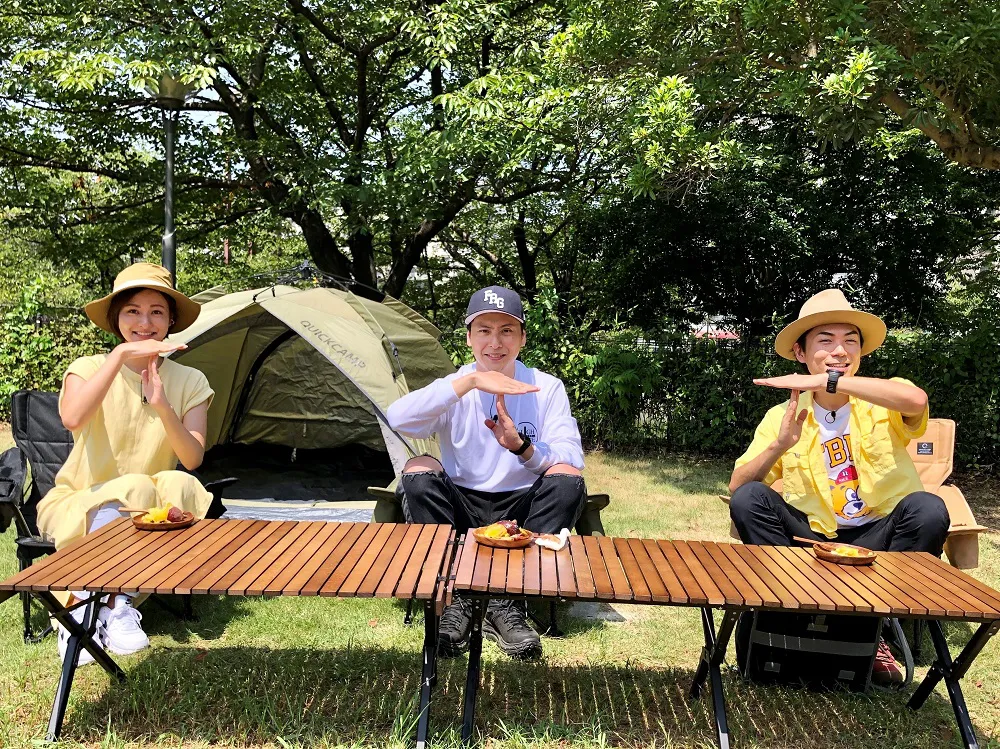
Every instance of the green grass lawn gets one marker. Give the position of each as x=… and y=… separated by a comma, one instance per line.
x=323, y=672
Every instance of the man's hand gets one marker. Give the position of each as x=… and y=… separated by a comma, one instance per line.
x=504, y=428
x=495, y=383
x=797, y=382
x=791, y=424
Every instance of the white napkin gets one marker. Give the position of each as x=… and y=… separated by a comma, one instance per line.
x=554, y=544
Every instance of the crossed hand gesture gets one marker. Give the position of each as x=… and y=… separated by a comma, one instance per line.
x=504, y=429
x=152, y=385
x=791, y=424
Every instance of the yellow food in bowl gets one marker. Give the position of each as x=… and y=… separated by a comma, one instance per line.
x=847, y=551
x=156, y=515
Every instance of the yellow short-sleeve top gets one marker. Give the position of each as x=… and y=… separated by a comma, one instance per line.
x=126, y=436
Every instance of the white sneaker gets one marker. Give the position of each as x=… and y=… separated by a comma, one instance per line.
x=62, y=638
x=122, y=633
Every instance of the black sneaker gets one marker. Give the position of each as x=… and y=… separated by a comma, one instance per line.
x=506, y=624
x=454, y=629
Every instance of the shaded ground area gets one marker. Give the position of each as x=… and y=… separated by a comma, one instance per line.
x=269, y=472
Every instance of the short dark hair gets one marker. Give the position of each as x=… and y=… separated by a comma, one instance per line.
x=802, y=338
x=119, y=302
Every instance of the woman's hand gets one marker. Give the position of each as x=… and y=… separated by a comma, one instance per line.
x=145, y=349
x=152, y=385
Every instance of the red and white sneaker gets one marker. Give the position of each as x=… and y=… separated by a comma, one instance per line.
x=885, y=671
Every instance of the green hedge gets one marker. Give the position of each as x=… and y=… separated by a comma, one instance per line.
x=678, y=393
x=681, y=393
x=37, y=343
x=708, y=404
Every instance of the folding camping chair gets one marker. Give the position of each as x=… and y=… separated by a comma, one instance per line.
x=44, y=444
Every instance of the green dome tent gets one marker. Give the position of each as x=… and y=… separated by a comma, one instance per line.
x=311, y=369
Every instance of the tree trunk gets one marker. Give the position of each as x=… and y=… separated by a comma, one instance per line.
x=526, y=258
x=322, y=246
x=418, y=241
x=363, y=257
x=963, y=148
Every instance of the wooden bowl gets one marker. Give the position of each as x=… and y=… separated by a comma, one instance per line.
x=188, y=520
x=825, y=552
x=517, y=542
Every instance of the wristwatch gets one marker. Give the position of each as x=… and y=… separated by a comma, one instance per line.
x=524, y=445
x=832, y=375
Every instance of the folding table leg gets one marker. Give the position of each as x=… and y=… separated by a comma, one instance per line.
x=952, y=672
x=85, y=637
x=428, y=674
x=472, y=676
x=712, y=656
x=79, y=637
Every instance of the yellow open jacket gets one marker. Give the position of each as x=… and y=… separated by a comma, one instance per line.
x=878, y=440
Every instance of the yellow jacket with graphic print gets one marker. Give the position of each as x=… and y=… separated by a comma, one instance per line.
x=878, y=440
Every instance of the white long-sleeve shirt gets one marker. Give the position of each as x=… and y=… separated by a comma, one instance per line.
x=470, y=453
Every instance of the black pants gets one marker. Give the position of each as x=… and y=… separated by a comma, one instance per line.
x=918, y=523
x=547, y=506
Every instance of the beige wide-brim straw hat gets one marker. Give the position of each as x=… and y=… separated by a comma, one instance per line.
x=144, y=276
x=827, y=307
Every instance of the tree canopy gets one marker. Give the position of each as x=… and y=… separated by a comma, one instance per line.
x=518, y=140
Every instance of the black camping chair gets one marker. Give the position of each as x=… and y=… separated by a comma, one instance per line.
x=44, y=444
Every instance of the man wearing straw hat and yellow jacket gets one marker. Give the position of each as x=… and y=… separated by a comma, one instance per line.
x=839, y=447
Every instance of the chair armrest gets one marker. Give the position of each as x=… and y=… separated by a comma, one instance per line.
x=8, y=491
x=220, y=484
x=36, y=542
x=13, y=470
x=597, y=501
x=381, y=492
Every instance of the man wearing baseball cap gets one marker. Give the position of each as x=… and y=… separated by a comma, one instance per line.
x=839, y=447
x=510, y=450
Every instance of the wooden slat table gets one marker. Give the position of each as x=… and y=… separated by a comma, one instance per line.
x=244, y=557
x=733, y=578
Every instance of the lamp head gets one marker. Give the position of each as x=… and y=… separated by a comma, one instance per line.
x=170, y=93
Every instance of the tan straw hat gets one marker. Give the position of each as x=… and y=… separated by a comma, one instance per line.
x=830, y=306
x=144, y=276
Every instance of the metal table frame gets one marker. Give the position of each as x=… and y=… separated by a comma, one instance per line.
x=81, y=637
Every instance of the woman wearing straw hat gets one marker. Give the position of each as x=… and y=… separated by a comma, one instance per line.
x=133, y=416
x=839, y=447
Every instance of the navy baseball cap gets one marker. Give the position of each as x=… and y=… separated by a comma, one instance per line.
x=494, y=299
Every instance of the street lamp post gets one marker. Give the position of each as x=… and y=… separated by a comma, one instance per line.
x=170, y=97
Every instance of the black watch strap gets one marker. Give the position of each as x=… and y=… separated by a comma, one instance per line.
x=524, y=445
x=832, y=375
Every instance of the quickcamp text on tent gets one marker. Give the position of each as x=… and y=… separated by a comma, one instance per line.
x=335, y=347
